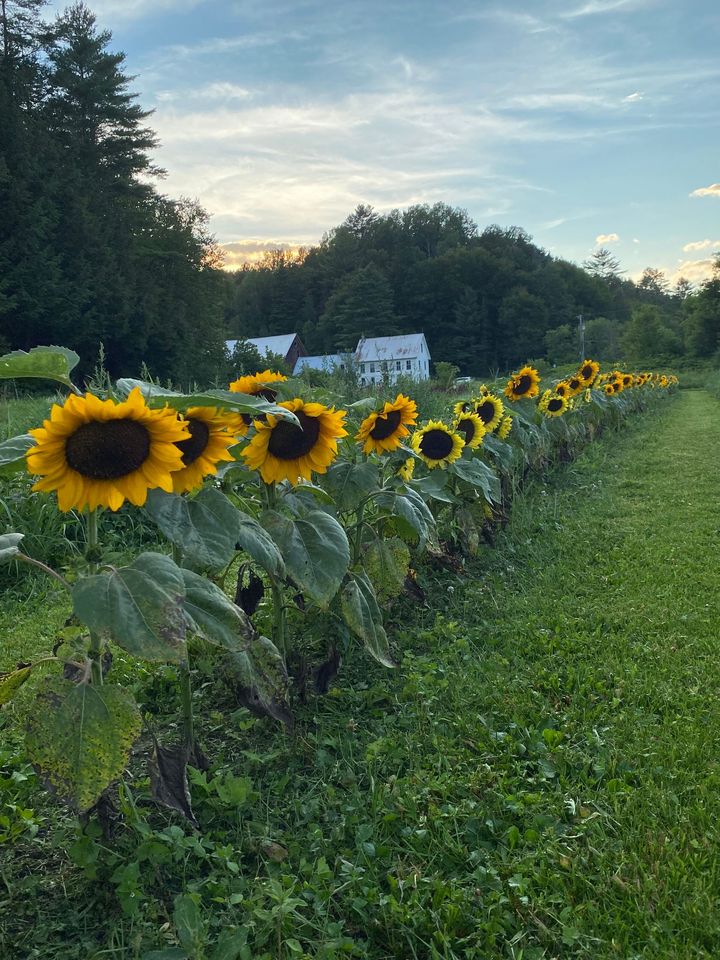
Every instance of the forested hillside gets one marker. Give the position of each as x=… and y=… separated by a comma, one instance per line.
x=484, y=299
x=92, y=251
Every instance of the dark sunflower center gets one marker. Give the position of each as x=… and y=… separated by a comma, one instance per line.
x=586, y=372
x=107, y=449
x=195, y=446
x=288, y=442
x=467, y=429
x=267, y=394
x=386, y=426
x=436, y=444
x=555, y=404
x=486, y=411
x=560, y=391
x=574, y=384
x=522, y=384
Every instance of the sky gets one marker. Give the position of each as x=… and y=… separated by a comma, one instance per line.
x=588, y=123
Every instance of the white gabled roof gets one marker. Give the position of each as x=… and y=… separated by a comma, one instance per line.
x=264, y=345
x=392, y=348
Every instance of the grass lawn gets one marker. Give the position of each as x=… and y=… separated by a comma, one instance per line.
x=538, y=780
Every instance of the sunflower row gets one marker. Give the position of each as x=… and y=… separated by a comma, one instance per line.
x=99, y=453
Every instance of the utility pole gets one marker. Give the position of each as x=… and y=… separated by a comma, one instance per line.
x=581, y=336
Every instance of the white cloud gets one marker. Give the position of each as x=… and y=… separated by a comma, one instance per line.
x=712, y=191
x=702, y=245
x=593, y=7
x=635, y=240
x=633, y=97
x=239, y=253
x=607, y=238
x=697, y=271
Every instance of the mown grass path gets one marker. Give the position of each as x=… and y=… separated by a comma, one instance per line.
x=540, y=779
x=616, y=637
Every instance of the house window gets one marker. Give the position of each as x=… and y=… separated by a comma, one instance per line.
x=408, y=364
x=372, y=368
x=398, y=365
x=362, y=368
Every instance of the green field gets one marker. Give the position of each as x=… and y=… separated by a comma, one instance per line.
x=539, y=779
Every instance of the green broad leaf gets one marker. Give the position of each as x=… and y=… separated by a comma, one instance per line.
x=434, y=487
x=411, y=513
x=257, y=542
x=79, y=738
x=600, y=399
x=350, y=483
x=502, y=451
x=12, y=454
x=213, y=616
x=44, y=363
x=386, y=563
x=480, y=475
x=10, y=683
x=203, y=527
x=189, y=924
x=240, y=402
x=362, y=614
x=139, y=607
x=315, y=550
x=9, y=546
x=259, y=679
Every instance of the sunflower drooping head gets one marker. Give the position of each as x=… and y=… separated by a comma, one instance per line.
x=383, y=430
x=281, y=450
x=99, y=453
x=437, y=444
x=212, y=432
x=562, y=389
x=490, y=409
x=471, y=429
x=406, y=469
x=523, y=385
x=503, y=431
x=258, y=384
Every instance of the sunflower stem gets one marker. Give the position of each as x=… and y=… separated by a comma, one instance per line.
x=24, y=558
x=187, y=707
x=279, y=616
x=357, y=537
x=96, y=643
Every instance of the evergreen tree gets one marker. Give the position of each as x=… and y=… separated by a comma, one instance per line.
x=362, y=305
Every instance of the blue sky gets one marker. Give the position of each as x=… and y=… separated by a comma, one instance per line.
x=575, y=120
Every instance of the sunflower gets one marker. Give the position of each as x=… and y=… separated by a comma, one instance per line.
x=437, y=444
x=589, y=369
x=562, y=389
x=281, y=450
x=575, y=385
x=258, y=384
x=627, y=380
x=212, y=432
x=503, y=431
x=523, y=385
x=99, y=453
x=464, y=406
x=490, y=410
x=383, y=430
x=471, y=429
x=552, y=405
x=406, y=470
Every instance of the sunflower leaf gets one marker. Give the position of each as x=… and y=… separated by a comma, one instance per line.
x=240, y=402
x=12, y=454
x=139, y=607
x=386, y=563
x=315, y=549
x=44, y=363
x=79, y=738
x=212, y=615
x=412, y=515
x=204, y=528
x=478, y=474
x=350, y=483
x=256, y=541
x=9, y=546
x=434, y=486
x=362, y=614
x=10, y=683
x=258, y=677
x=501, y=450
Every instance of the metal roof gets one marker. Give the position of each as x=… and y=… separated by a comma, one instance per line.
x=392, y=348
x=326, y=361
x=280, y=345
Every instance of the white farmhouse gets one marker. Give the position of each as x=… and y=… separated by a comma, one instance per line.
x=387, y=358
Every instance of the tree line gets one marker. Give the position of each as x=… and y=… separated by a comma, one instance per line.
x=91, y=250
